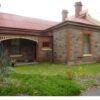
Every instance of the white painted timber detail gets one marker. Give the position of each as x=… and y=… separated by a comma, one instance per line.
x=6, y=37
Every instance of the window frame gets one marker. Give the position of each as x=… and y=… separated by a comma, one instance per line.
x=15, y=43
x=46, y=44
x=90, y=44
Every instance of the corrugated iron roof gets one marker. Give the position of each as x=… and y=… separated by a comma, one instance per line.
x=16, y=21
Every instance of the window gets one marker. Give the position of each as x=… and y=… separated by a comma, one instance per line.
x=46, y=44
x=87, y=45
x=15, y=46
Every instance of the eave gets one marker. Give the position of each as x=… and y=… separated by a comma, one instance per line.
x=19, y=31
x=72, y=23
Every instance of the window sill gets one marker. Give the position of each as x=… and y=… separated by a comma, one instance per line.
x=49, y=49
x=87, y=55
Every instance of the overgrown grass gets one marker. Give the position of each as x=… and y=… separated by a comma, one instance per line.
x=48, y=79
x=37, y=85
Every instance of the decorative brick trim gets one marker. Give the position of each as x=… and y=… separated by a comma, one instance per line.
x=68, y=39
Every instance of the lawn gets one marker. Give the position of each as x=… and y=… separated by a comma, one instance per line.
x=48, y=79
x=58, y=69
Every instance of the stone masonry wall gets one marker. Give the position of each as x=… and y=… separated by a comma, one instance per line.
x=59, y=46
x=96, y=44
x=76, y=47
x=68, y=46
x=75, y=44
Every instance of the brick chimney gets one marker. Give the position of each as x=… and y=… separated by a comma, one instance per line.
x=78, y=8
x=64, y=15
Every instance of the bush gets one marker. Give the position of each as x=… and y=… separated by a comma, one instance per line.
x=41, y=86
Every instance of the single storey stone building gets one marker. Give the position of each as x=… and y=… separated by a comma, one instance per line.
x=73, y=41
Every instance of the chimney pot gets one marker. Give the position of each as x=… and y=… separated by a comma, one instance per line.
x=78, y=3
x=64, y=15
x=78, y=8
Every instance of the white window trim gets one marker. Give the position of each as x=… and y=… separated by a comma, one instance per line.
x=46, y=48
x=87, y=55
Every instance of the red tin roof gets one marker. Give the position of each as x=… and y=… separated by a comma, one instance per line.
x=16, y=21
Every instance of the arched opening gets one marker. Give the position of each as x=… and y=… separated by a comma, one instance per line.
x=21, y=50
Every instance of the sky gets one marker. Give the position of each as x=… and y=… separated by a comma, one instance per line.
x=48, y=9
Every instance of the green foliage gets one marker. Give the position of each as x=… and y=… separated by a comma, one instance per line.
x=81, y=71
x=4, y=63
x=49, y=79
x=40, y=86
